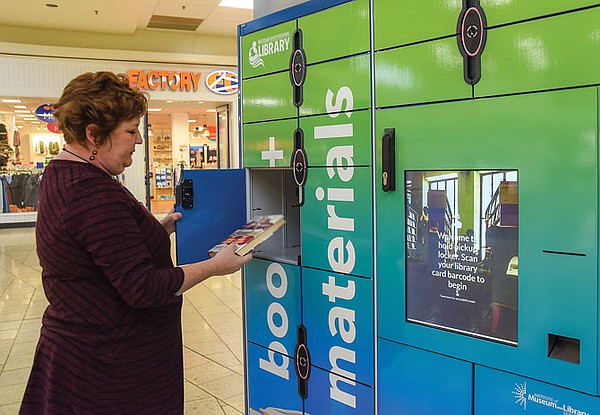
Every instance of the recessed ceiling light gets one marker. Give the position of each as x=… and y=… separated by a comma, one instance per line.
x=169, y=101
x=200, y=102
x=14, y=101
x=154, y=109
x=19, y=106
x=238, y=4
x=30, y=119
x=22, y=111
x=35, y=122
x=211, y=110
x=51, y=5
x=19, y=126
x=192, y=120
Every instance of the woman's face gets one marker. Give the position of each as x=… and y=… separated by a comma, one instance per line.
x=117, y=152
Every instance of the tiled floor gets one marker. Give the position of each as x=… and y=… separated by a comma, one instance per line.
x=211, y=326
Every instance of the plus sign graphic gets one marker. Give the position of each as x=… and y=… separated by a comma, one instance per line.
x=272, y=154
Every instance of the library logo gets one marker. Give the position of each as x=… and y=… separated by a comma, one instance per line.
x=268, y=46
x=522, y=398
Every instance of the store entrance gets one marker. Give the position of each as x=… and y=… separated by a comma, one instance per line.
x=183, y=135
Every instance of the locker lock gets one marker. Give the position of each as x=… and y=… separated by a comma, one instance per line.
x=471, y=39
x=302, y=360
x=299, y=164
x=297, y=67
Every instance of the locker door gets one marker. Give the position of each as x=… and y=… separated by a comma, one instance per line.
x=337, y=231
x=336, y=32
x=535, y=55
x=269, y=144
x=499, y=13
x=273, y=313
x=430, y=20
x=424, y=72
x=212, y=204
x=339, y=322
x=533, y=244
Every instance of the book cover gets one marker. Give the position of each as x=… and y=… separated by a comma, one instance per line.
x=251, y=234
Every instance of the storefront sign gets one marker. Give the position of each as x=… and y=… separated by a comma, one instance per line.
x=164, y=80
x=53, y=128
x=45, y=113
x=222, y=82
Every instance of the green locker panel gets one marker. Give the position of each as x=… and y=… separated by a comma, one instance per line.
x=426, y=72
x=267, y=98
x=326, y=133
x=337, y=219
x=501, y=12
x=339, y=31
x=538, y=55
x=267, y=50
x=400, y=23
x=269, y=144
x=341, y=85
x=550, y=139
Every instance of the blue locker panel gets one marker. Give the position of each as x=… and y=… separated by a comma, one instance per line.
x=499, y=392
x=331, y=394
x=271, y=383
x=337, y=227
x=413, y=381
x=338, y=316
x=272, y=304
x=219, y=208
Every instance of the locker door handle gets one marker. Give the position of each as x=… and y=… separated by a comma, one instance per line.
x=297, y=67
x=299, y=164
x=472, y=36
x=302, y=360
x=388, y=160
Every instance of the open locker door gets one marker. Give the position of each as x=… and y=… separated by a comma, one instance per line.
x=213, y=205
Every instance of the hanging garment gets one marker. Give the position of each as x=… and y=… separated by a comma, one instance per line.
x=17, y=189
x=16, y=138
x=32, y=192
x=53, y=147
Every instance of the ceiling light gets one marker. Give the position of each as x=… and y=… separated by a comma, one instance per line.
x=30, y=119
x=154, y=109
x=20, y=106
x=51, y=5
x=36, y=122
x=200, y=102
x=22, y=111
x=15, y=101
x=169, y=101
x=211, y=110
x=19, y=126
x=238, y=4
x=192, y=120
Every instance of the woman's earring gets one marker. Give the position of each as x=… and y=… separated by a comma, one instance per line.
x=93, y=156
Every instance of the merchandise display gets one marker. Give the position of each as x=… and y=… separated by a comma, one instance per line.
x=439, y=184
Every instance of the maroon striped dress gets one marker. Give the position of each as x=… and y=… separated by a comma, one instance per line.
x=111, y=338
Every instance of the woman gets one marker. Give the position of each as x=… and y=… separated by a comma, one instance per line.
x=111, y=338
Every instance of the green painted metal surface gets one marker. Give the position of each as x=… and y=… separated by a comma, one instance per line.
x=325, y=132
x=268, y=98
x=431, y=71
x=501, y=12
x=339, y=31
x=267, y=50
x=337, y=225
x=539, y=55
x=400, y=23
x=551, y=139
x=269, y=144
x=325, y=81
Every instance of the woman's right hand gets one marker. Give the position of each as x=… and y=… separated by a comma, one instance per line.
x=226, y=261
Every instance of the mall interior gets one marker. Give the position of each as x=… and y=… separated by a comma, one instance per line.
x=436, y=165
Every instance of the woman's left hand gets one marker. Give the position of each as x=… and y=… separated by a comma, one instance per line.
x=168, y=222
